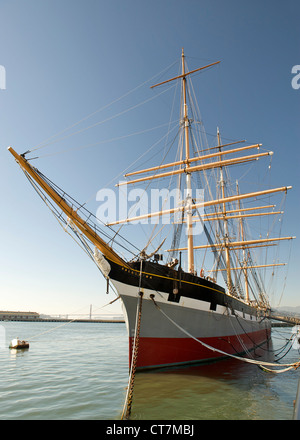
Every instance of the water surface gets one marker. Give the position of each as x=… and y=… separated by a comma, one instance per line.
x=80, y=371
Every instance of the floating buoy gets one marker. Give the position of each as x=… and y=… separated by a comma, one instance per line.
x=16, y=343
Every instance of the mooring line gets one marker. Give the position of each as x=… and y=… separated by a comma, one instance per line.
x=261, y=364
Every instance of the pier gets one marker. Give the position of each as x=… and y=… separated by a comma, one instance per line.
x=289, y=320
x=92, y=321
x=36, y=317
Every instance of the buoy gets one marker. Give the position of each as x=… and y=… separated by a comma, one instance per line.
x=16, y=343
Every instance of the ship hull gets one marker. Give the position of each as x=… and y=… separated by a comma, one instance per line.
x=174, y=328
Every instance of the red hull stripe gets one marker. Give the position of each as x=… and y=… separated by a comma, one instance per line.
x=158, y=352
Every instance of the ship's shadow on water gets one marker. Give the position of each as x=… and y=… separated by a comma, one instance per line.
x=228, y=389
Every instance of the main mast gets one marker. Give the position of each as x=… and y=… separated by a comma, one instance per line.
x=190, y=243
x=188, y=198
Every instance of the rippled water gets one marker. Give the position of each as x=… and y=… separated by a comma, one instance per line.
x=80, y=371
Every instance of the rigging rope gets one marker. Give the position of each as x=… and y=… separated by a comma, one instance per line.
x=100, y=122
x=79, y=207
x=106, y=141
x=42, y=144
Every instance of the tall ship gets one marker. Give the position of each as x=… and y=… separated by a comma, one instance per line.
x=198, y=295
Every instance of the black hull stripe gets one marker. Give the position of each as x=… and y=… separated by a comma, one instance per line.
x=161, y=278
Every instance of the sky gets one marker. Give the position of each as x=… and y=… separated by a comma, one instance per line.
x=65, y=59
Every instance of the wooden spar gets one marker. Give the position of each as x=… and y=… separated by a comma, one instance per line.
x=224, y=145
x=200, y=205
x=192, y=159
x=250, y=267
x=71, y=213
x=208, y=166
x=241, y=247
x=233, y=244
x=255, y=246
x=229, y=217
x=242, y=209
x=184, y=74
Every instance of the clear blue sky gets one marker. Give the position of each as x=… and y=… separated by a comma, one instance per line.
x=66, y=58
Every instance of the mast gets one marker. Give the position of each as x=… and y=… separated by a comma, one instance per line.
x=189, y=202
x=243, y=247
x=190, y=243
x=226, y=235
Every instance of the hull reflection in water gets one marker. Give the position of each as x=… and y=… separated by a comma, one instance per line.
x=224, y=390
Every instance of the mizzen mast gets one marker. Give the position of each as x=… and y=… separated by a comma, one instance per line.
x=223, y=213
x=245, y=256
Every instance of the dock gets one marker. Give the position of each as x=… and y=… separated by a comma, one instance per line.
x=91, y=321
x=10, y=315
x=286, y=320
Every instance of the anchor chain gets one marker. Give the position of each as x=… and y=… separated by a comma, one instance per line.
x=129, y=396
